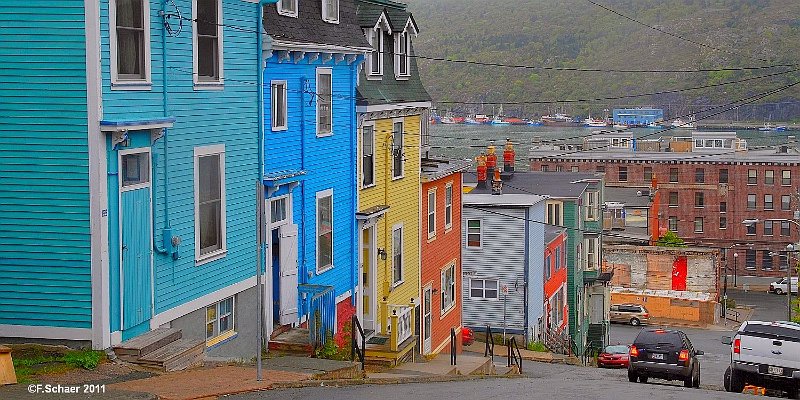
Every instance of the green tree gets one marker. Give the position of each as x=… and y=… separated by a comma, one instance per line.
x=670, y=239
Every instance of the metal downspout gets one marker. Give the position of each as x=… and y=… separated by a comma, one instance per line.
x=525, y=272
x=165, y=110
x=303, y=278
x=354, y=188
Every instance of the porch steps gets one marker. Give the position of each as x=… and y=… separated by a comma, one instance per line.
x=291, y=342
x=162, y=348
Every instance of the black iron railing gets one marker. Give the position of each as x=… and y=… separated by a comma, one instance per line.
x=489, y=349
x=453, y=346
x=514, y=355
x=356, y=333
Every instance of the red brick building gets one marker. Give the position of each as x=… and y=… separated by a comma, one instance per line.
x=440, y=238
x=706, y=187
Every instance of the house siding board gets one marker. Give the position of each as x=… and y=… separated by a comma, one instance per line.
x=574, y=274
x=226, y=116
x=328, y=161
x=439, y=252
x=501, y=257
x=43, y=137
x=535, y=261
x=403, y=198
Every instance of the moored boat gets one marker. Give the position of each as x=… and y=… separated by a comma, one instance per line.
x=594, y=123
x=558, y=120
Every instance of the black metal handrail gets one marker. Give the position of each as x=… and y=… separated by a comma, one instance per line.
x=453, y=346
x=514, y=355
x=489, y=349
x=354, y=348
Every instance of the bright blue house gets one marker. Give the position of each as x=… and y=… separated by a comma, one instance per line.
x=310, y=160
x=132, y=169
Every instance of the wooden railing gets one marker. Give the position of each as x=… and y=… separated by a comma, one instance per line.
x=401, y=323
x=321, y=312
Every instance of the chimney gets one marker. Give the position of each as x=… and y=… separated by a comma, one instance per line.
x=481, y=160
x=792, y=142
x=491, y=160
x=509, y=157
x=497, y=183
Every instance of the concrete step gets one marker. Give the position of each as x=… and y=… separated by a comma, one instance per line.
x=175, y=356
x=132, y=350
x=504, y=370
x=294, y=341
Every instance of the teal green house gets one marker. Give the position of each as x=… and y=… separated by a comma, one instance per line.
x=132, y=157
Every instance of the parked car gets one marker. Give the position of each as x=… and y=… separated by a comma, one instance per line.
x=634, y=314
x=664, y=354
x=780, y=286
x=765, y=354
x=467, y=336
x=614, y=356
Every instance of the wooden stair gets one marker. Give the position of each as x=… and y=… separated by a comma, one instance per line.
x=164, y=349
x=291, y=342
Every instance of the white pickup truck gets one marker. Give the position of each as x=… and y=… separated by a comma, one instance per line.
x=765, y=354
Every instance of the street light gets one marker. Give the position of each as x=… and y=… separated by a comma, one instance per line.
x=789, y=249
x=735, y=267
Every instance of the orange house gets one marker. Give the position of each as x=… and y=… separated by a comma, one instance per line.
x=555, y=279
x=440, y=237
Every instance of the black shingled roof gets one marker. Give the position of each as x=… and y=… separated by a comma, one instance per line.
x=309, y=27
x=554, y=184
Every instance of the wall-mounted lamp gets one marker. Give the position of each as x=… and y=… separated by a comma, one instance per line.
x=382, y=254
x=435, y=290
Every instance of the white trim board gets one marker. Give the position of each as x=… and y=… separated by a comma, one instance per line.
x=344, y=296
x=200, y=302
x=45, y=332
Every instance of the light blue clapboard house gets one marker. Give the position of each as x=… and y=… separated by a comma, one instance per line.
x=131, y=155
x=316, y=48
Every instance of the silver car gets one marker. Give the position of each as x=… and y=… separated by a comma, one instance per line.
x=634, y=314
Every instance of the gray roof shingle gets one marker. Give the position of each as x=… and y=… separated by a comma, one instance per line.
x=309, y=27
x=560, y=185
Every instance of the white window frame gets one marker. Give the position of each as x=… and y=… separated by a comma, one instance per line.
x=592, y=248
x=329, y=18
x=447, y=290
x=372, y=35
x=402, y=58
x=321, y=195
x=216, y=149
x=480, y=233
x=483, y=288
x=396, y=283
x=396, y=176
x=320, y=72
x=273, y=87
x=448, y=206
x=129, y=84
x=289, y=216
x=431, y=213
x=219, y=336
x=208, y=84
x=286, y=12
x=592, y=210
x=557, y=209
x=370, y=125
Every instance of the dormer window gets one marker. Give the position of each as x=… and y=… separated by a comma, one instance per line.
x=402, y=58
x=375, y=60
x=287, y=8
x=330, y=11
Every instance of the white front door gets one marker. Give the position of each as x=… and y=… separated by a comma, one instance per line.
x=368, y=277
x=426, y=320
x=288, y=274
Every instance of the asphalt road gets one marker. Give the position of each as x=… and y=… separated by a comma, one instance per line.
x=541, y=381
x=766, y=306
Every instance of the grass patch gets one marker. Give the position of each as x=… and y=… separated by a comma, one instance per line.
x=31, y=361
x=537, y=346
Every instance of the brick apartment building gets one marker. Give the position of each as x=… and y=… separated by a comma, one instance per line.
x=707, y=184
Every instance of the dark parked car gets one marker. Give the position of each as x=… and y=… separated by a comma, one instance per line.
x=664, y=354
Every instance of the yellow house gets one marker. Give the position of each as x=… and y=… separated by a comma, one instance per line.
x=392, y=108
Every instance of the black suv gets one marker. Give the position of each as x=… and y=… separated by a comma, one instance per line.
x=664, y=354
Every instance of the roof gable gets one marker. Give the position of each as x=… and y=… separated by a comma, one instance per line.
x=309, y=27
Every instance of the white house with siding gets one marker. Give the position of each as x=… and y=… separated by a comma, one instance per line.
x=503, y=266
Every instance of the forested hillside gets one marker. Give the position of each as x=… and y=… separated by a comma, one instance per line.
x=576, y=33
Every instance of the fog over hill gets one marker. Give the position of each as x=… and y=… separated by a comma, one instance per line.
x=576, y=33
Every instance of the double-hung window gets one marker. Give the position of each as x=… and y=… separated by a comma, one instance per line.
x=474, y=233
x=786, y=178
x=431, y=214
x=648, y=174
x=673, y=175
x=130, y=41
x=768, y=230
x=786, y=202
x=209, y=194
x=786, y=229
x=207, y=41
x=483, y=288
x=592, y=253
x=752, y=177
x=591, y=205
x=324, y=102
x=698, y=225
x=699, y=200
x=723, y=175
x=219, y=320
x=751, y=201
x=448, y=299
x=330, y=11
x=623, y=174
x=769, y=177
x=368, y=156
x=279, y=105
x=287, y=8
x=547, y=267
x=553, y=216
x=673, y=224
x=324, y=230
x=768, y=202
x=375, y=59
x=402, y=58
x=699, y=175
x=448, y=206
x=397, y=255
x=397, y=150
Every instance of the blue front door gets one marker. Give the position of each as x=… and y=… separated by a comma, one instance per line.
x=136, y=237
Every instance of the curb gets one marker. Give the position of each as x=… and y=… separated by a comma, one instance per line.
x=386, y=381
